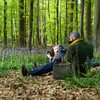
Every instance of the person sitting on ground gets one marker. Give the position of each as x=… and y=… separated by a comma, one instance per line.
x=80, y=53
x=59, y=52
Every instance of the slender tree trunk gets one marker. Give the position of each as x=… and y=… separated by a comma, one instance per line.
x=34, y=27
x=30, y=25
x=25, y=26
x=5, y=22
x=54, y=24
x=15, y=31
x=44, y=30
x=66, y=25
x=11, y=26
x=60, y=20
x=88, y=20
x=81, y=22
x=49, y=23
x=43, y=24
x=76, y=15
x=0, y=35
x=15, y=25
x=97, y=23
x=71, y=17
x=37, y=35
x=21, y=24
x=57, y=23
x=40, y=32
x=42, y=21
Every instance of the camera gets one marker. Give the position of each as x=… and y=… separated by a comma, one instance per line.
x=51, y=52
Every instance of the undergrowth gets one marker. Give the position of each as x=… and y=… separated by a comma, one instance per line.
x=14, y=58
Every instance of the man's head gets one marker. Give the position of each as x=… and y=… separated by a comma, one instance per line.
x=74, y=35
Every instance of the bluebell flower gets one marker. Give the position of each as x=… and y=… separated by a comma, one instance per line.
x=67, y=44
x=7, y=53
x=1, y=49
x=98, y=70
x=88, y=60
x=98, y=49
x=95, y=48
x=32, y=51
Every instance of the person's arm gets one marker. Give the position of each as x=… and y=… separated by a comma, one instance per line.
x=50, y=57
x=57, y=57
x=68, y=56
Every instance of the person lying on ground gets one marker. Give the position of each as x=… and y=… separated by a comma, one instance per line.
x=50, y=54
x=59, y=53
x=79, y=52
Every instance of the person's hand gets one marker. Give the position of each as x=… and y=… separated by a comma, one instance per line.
x=48, y=55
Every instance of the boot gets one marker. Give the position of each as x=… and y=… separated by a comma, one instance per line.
x=34, y=65
x=24, y=70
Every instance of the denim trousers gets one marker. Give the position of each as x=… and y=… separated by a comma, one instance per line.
x=95, y=64
x=48, y=67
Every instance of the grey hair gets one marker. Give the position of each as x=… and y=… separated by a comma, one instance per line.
x=74, y=34
x=59, y=46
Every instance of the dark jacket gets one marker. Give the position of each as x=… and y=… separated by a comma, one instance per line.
x=78, y=51
x=59, y=56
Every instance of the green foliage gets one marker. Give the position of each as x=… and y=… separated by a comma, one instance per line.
x=14, y=59
x=13, y=5
x=87, y=82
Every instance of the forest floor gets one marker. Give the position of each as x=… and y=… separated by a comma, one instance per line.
x=13, y=86
x=16, y=87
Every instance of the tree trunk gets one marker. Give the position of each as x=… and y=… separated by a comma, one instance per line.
x=37, y=29
x=81, y=22
x=54, y=24
x=15, y=31
x=34, y=27
x=5, y=22
x=25, y=26
x=88, y=20
x=42, y=25
x=57, y=23
x=66, y=25
x=0, y=35
x=49, y=24
x=30, y=25
x=15, y=26
x=60, y=20
x=71, y=17
x=11, y=26
x=21, y=24
x=44, y=30
x=76, y=15
x=97, y=23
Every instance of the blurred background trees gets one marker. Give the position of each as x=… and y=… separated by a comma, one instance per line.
x=26, y=23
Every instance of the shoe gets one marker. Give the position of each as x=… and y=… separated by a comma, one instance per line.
x=24, y=70
x=34, y=65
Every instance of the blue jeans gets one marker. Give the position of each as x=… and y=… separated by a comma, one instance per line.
x=94, y=64
x=48, y=67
